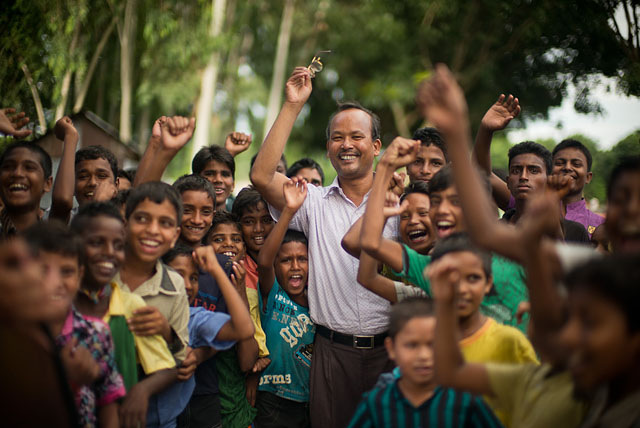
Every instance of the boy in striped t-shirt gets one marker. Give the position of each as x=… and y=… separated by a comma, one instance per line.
x=415, y=400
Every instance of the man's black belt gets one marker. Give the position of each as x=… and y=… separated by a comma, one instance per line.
x=355, y=341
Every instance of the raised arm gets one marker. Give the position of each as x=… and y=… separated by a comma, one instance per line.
x=64, y=185
x=294, y=192
x=168, y=136
x=240, y=327
x=450, y=367
x=400, y=152
x=263, y=174
x=237, y=142
x=495, y=119
x=443, y=103
x=11, y=123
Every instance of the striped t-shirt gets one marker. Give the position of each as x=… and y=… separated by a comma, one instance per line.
x=387, y=407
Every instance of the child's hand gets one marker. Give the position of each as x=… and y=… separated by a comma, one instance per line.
x=543, y=215
x=251, y=384
x=444, y=279
x=64, y=127
x=237, y=142
x=501, y=113
x=188, y=366
x=79, y=364
x=176, y=131
x=400, y=152
x=396, y=185
x=558, y=186
x=295, y=192
x=298, y=87
x=147, y=321
x=105, y=191
x=261, y=364
x=10, y=123
x=206, y=259
x=523, y=308
x=392, y=206
x=238, y=276
x=442, y=101
x=133, y=410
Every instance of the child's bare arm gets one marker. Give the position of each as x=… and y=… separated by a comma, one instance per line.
x=64, y=185
x=133, y=410
x=351, y=240
x=443, y=103
x=370, y=279
x=169, y=135
x=495, y=119
x=148, y=320
x=399, y=153
x=450, y=367
x=108, y=416
x=294, y=193
x=240, y=326
x=247, y=353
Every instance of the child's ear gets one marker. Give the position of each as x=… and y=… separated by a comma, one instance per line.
x=175, y=238
x=488, y=285
x=47, y=184
x=388, y=344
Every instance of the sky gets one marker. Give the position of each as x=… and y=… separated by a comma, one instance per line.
x=621, y=117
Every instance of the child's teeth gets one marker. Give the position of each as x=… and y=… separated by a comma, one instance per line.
x=149, y=243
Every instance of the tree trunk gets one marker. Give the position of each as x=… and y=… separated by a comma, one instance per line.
x=127, y=47
x=209, y=79
x=36, y=98
x=66, y=80
x=400, y=119
x=279, y=65
x=84, y=86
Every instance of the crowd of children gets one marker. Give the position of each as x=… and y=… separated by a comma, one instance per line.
x=398, y=298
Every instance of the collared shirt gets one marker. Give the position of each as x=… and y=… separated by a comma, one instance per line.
x=578, y=212
x=387, y=407
x=336, y=300
x=165, y=291
x=94, y=335
x=151, y=351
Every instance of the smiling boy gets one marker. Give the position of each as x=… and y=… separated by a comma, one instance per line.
x=198, y=205
x=431, y=157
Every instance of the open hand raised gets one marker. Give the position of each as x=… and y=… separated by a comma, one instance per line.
x=11, y=123
x=298, y=87
x=501, y=113
x=295, y=192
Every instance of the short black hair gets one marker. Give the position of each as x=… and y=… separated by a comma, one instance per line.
x=442, y=180
x=213, y=153
x=535, y=149
x=282, y=158
x=91, y=210
x=120, y=199
x=415, y=187
x=457, y=243
x=614, y=278
x=626, y=164
x=45, y=159
x=98, y=152
x=429, y=136
x=223, y=217
x=197, y=183
x=575, y=144
x=53, y=236
x=294, y=236
x=180, y=249
x=305, y=163
x=349, y=105
x=122, y=173
x=157, y=192
x=406, y=310
x=247, y=198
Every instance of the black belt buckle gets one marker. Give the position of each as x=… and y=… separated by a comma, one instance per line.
x=363, y=342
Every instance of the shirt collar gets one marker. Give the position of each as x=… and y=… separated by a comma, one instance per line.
x=67, y=328
x=160, y=282
x=334, y=187
x=577, y=205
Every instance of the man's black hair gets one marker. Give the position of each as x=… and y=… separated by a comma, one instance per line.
x=534, y=148
x=87, y=212
x=247, y=198
x=44, y=158
x=614, y=278
x=459, y=242
x=349, y=105
x=406, y=310
x=120, y=199
x=197, y=183
x=180, y=249
x=305, y=163
x=283, y=159
x=431, y=137
x=124, y=174
x=53, y=236
x=415, y=187
x=626, y=164
x=212, y=153
x=157, y=192
x=574, y=144
x=98, y=152
x=294, y=236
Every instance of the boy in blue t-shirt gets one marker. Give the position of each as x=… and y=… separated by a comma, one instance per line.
x=283, y=392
